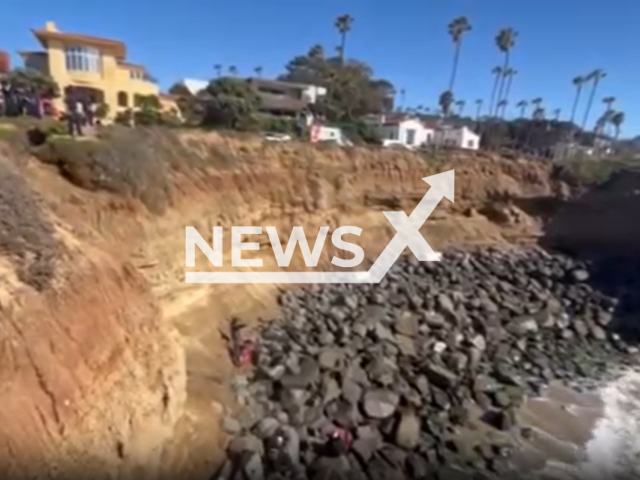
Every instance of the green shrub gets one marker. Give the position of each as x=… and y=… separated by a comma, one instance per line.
x=126, y=162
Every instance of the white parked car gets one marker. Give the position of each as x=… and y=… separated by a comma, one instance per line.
x=395, y=144
x=277, y=137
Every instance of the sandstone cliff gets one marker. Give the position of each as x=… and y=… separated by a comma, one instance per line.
x=113, y=366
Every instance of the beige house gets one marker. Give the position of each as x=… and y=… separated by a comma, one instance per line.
x=94, y=65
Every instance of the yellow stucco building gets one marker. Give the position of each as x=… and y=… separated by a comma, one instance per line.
x=94, y=65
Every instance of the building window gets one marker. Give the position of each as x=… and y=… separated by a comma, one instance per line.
x=470, y=144
x=123, y=99
x=136, y=75
x=83, y=59
x=411, y=136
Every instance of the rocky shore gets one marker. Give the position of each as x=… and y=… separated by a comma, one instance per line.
x=421, y=376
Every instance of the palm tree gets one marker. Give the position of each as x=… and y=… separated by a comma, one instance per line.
x=536, y=102
x=538, y=113
x=556, y=114
x=502, y=105
x=608, y=112
x=457, y=29
x=505, y=41
x=218, y=68
x=578, y=82
x=479, y=103
x=343, y=24
x=617, y=119
x=233, y=70
x=258, y=71
x=497, y=71
x=522, y=105
x=460, y=104
x=510, y=73
x=445, y=101
x=594, y=77
x=402, y=95
x=608, y=101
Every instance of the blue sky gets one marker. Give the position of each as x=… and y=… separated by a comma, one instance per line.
x=405, y=41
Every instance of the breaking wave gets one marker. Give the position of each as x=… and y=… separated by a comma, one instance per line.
x=614, y=449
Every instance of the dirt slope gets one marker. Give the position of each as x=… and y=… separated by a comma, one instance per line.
x=117, y=365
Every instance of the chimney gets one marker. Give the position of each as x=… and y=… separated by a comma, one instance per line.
x=50, y=26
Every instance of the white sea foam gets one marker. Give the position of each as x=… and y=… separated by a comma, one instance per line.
x=614, y=450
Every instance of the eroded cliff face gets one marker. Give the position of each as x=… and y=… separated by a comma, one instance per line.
x=92, y=380
x=118, y=366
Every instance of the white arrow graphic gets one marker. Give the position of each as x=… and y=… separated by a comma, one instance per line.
x=408, y=235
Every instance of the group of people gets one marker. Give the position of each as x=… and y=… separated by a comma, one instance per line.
x=15, y=102
x=81, y=111
x=19, y=101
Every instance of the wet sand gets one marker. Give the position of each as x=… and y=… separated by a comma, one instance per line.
x=562, y=422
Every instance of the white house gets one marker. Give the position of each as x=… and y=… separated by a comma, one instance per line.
x=410, y=132
x=461, y=137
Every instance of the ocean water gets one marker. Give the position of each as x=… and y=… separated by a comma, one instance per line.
x=614, y=449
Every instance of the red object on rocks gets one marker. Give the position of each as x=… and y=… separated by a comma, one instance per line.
x=247, y=352
x=344, y=436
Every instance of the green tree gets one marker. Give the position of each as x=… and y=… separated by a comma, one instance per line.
x=460, y=104
x=352, y=90
x=578, y=82
x=343, y=25
x=617, y=119
x=497, y=71
x=556, y=114
x=33, y=80
x=102, y=111
x=594, y=77
x=258, y=71
x=505, y=41
x=148, y=112
x=522, y=105
x=218, y=68
x=233, y=71
x=457, y=29
x=228, y=102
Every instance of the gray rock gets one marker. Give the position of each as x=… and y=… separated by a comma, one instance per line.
x=331, y=390
x=254, y=469
x=331, y=359
x=351, y=391
x=266, y=427
x=245, y=443
x=230, y=425
x=368, y=441
x=406, y=345
x=407, y=324
x=440, y=376
x=522, y=326
x=309, y=374
x=380, y=403
x=407, y=433
x=434, y=320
